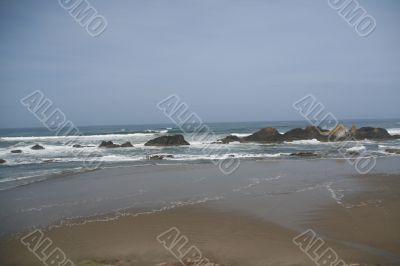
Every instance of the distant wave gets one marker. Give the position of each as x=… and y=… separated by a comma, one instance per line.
x=81, y=137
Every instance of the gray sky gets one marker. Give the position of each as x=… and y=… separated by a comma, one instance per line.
x=246, y=60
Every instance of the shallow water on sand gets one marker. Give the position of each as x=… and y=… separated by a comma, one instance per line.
x=286, y=192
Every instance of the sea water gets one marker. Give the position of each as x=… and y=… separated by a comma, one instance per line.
x=59, y=157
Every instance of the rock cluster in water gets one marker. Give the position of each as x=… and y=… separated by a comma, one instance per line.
x=339, y=133
x=110, y=144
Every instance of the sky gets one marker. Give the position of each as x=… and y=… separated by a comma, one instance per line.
x=229, y=60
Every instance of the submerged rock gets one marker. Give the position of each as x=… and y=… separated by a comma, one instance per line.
x=159, y=157
x=81, y=146
x=2, y=161
x=304, y=154
x=396, y=151
x=175, y=140
x=353, y=153
x=16, y=151
x=37, y=147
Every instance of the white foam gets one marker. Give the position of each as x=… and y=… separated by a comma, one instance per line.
x=357, y=148
x=254, y=182
x=394, y=131
x=388, y=147
x=241, y=135
x=191, y=157
x=336, y=195
x=305, y=141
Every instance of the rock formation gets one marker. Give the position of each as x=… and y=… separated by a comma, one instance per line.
x=110, y=144
x=175, y=140
x=268, y=134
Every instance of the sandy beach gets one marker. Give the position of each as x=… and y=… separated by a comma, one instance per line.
x=249, y=218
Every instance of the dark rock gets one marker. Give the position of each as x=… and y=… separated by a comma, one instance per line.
x=304, y=154
x=371, y=133
x=396, y=151
x=230, y=138
x=159, y=157
x=310, y=132
x=108, y=144
x=37, y=147
x=2, y=161
x=16, y=151
x=268, y=134
x=353, y=153
x=81, y=146
x=126, y=144
x=175, y=140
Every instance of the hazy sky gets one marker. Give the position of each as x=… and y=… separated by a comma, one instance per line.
x=230, y=60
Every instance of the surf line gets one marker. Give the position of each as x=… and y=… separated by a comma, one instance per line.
x=56, y=122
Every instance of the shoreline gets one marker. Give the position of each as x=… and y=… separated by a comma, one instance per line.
x=31, y=180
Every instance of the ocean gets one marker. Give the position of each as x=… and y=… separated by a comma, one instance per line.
x=60, y=159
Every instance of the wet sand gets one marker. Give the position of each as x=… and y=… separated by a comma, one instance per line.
x=224, y=238
x=246, y=219
x=369, y=220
